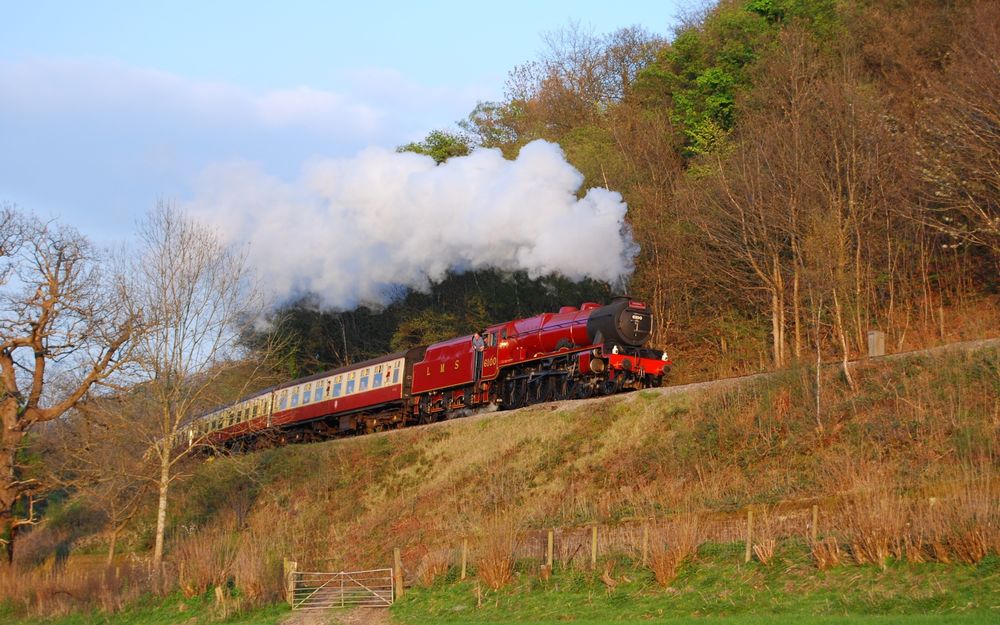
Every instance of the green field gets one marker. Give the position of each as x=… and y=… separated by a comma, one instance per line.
x=715, y=589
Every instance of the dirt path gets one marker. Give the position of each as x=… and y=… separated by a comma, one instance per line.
x=356, y=616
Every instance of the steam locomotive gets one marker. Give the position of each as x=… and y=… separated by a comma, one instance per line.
x=574, y=353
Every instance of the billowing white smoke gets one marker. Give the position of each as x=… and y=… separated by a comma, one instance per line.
x=351, y=229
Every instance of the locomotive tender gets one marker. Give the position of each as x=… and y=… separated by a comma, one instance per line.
x=575, y=353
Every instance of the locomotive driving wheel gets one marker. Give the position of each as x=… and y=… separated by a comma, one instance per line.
x=548, y=389
x=515, y=394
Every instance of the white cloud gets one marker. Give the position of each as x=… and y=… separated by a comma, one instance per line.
x=50, y=86
x=310, y=107
x=91, y=140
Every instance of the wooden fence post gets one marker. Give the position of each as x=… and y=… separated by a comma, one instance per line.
x=397, y=573
x=815, y=525
x=749, y=551
x=593, y=547
x=289, y=568
x=548, y=550
x=465, y=555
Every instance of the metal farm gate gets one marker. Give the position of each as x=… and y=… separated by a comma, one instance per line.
x=319, y=591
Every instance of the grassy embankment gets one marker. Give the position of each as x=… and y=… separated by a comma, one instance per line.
x=902, y=470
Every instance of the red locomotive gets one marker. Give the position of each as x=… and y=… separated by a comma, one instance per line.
x=575, y=353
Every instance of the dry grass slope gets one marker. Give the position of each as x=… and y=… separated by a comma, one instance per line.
x=904, y=467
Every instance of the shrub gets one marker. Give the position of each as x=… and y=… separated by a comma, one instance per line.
x=495, y=552
x=671, y=544
x=765, y=542
x=433, y=565
x=876, y=523
x=826, y=553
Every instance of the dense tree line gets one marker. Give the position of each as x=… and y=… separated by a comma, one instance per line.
x=797, y=173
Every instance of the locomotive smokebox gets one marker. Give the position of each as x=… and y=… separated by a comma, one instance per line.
x=623, y=322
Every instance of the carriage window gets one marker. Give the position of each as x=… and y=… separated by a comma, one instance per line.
x=336, y=389
x=395, y=375
x=253, y=410
x=295, y=397
x=377, y=381
x=364, y=381
x=282, y=400
x=350, y=386
x=319, y=392
x=307, y=394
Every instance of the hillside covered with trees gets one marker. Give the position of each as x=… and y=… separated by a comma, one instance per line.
x=797, y=173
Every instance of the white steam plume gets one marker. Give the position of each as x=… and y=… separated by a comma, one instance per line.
x=351, y=229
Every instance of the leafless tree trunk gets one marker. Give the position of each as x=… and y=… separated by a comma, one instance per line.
x=200, y=296
x=62, y=317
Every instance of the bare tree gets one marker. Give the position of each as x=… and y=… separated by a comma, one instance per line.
x=93, y=452
x=961, y=156
x=199, y=294
x=65, y=326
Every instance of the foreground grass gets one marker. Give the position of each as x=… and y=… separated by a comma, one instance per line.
x=168, y=611
x=716, y=589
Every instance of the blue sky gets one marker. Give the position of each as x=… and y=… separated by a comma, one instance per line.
x=107, y=106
